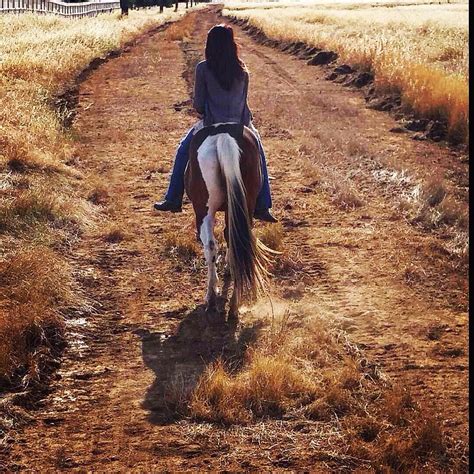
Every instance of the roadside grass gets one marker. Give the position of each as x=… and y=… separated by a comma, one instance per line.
x=38, y=205
x=302, y=373
x=98, y=194
x=36, y=288
x=430, y=206
x=272, y=235
x=420, y=50
x=114, y=234
x=44, y=201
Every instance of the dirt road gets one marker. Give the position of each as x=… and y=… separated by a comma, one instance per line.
x=388, y=284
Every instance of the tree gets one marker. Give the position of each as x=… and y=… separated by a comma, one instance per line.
x=124, y=7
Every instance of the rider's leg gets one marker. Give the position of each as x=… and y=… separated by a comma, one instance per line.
x=264, y=198
x=175, y=191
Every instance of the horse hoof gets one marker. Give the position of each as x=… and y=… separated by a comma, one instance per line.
x=211, y=304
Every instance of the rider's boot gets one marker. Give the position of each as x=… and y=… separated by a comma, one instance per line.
x=167, y=206
x=264, y=215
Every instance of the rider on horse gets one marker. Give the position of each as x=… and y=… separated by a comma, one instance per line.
x=220, y=96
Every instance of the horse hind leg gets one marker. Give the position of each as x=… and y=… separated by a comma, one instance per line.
x=227, y=254
x=210, y=170
x=234, y=306
x=210, y=252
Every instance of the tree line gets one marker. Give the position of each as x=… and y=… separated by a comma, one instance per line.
x=125, y=5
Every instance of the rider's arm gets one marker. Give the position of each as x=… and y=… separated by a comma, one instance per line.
x=199, y=88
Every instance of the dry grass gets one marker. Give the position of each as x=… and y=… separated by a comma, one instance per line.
x=272, y=236
x=411, y=451
x=431, y=206
x=181, y=31
x=435, y=207
x=418, y=50
x=39, y=205
x=342, y=189
x=268, y=386
x=99, y=194
x=41, y=57
x=303, y=372
x=182, y=246
x=282, y=374
x=114, y=234
x=36, y=286
x=42, y=199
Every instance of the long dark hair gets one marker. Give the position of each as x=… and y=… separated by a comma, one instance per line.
x=222, y=56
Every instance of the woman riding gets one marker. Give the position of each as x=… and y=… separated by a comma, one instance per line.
x=220, y=95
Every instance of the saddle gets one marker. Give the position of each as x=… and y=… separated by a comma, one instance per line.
x=235, y=130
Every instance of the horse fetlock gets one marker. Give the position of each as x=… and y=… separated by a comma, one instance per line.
x=234, y=306
x=211, y=300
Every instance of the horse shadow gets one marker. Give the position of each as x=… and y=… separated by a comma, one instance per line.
x=178, y=360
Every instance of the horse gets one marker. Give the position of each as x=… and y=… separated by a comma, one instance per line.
x=224, y=174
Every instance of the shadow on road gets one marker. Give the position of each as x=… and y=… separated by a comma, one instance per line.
x=179, y=359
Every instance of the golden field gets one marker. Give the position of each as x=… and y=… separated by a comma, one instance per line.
x=419, y=50
x=344, y=366
x=45, y=204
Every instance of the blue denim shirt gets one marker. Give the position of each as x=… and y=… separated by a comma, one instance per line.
x=216, y=104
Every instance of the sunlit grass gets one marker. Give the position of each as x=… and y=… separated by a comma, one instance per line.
x=305, y=372
x=418, y=50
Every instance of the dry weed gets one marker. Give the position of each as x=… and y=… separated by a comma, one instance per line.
x=272, y=235
x=305, y=374
x=182, y=30
x=431, y=206
x=399, y=405
x=405, y=451
x=267, y=386
x=181, y=245
x=40, y=205
x=295, y=365
x=35, y=287
x=99, y=195
x=114, y=234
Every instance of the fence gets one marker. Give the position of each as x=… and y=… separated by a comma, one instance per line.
x=57, y=7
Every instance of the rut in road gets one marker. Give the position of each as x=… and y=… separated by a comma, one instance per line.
x=107, y=410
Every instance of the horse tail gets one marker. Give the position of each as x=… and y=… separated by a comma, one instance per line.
x=246, y=256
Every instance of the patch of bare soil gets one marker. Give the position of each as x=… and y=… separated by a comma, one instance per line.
x=351, y=258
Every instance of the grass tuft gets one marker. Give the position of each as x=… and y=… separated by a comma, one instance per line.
x=272, y=235
x=182, y=246
x=41, y=56
x=36, y=286
x=266, y=387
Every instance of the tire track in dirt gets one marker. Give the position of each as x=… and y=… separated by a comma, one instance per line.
x=108, y=411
